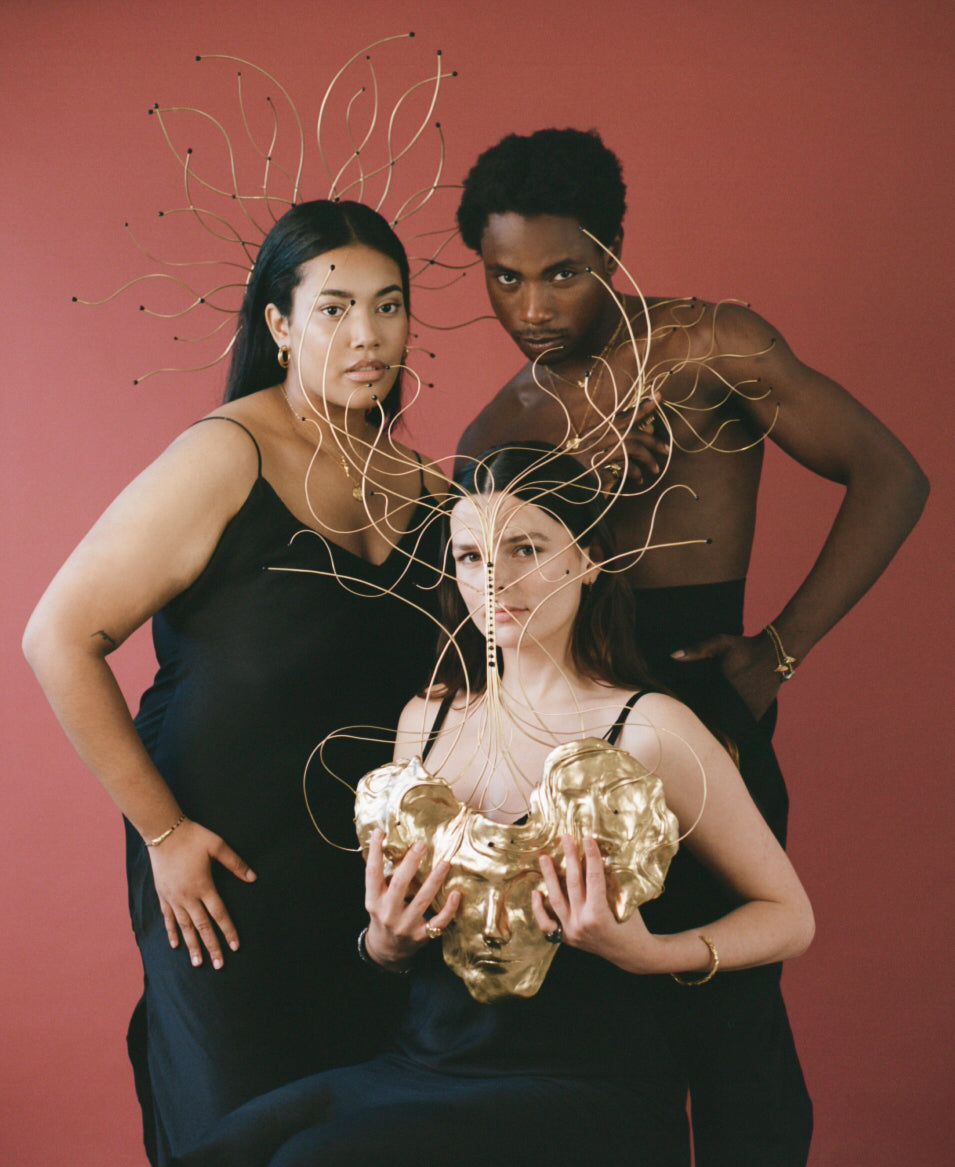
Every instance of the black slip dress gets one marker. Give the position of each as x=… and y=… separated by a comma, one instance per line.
x=257, y=664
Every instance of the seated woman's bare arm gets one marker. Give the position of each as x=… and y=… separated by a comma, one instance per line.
x=774, y=919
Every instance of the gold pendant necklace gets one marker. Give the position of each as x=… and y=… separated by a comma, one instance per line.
x=359, y=490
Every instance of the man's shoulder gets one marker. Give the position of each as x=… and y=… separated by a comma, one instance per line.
x=706, y=339
x=691, y=314
x=496, y=420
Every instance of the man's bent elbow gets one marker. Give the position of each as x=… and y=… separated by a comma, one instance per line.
x=901, y=486
x=919, y=488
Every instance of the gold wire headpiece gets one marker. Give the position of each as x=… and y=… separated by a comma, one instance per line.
x=238, y=182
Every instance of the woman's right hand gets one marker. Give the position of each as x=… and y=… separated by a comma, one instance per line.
x=190, y=902
x=398, y=924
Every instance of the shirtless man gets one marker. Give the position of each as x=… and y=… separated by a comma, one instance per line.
x=724, y=380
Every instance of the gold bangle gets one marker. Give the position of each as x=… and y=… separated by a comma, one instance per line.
x=165, y=835
x=785, y=664
x=710, y=972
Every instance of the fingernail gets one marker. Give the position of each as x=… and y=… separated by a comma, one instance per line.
x=234, y=945
x=197, y=960
x=217, y=962
x=678, y=655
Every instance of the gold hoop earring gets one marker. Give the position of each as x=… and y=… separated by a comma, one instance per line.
x=284, y=355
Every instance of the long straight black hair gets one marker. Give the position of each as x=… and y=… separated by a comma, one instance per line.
x=602, y=639
x=304, y=231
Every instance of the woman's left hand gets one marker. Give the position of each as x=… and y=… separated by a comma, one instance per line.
x=583, y=911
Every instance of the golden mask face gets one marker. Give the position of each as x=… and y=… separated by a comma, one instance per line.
x=495, y=945
x=589, y=788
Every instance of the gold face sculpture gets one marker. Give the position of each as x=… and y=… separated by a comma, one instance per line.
x=589, y=787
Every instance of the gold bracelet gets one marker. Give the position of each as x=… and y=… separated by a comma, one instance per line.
x=786, y=664
x=710, y=972
x=165, y=835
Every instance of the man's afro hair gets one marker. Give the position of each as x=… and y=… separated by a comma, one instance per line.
x=569, y=172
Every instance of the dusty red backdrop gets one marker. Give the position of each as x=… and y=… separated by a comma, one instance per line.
x=794, y=156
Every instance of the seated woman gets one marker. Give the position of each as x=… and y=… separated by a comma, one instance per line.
x=512, y=1058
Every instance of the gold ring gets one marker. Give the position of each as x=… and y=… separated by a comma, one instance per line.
x=432, y=932
x=614, y=469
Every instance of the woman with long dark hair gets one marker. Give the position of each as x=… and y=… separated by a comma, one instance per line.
x=536, y=795
x=274, y=547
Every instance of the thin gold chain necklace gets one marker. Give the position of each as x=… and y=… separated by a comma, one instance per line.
x=359, y=490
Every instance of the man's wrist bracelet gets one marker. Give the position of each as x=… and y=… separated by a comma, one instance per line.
x=785, y=664
x=369, y=959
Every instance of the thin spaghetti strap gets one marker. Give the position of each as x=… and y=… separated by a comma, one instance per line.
x=438, y=722
x=220, y=417
x=614, y=731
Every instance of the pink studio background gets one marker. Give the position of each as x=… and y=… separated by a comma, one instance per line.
x=797, y=156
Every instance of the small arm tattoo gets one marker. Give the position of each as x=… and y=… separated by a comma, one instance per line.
x=106, y=636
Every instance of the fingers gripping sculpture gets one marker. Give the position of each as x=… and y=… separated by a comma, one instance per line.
x=588, y=788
